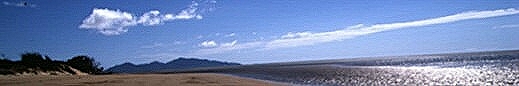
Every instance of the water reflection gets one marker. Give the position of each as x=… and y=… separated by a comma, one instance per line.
x=495, y=68
x=391, y=75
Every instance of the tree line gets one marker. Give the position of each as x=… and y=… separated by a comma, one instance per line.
x=36, y=61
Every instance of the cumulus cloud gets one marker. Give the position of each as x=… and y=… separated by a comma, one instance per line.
x=109, y=22
x=115, y=22
x=295, y=39
x=152, y=18
x=208, y=44
x=19, y=4
x=189, y=13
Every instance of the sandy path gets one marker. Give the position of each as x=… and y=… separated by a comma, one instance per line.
x=193, y=79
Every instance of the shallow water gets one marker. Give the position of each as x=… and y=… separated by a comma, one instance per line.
x=484, y=68
x=389, y=75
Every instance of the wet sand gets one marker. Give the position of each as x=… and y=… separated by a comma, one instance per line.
x=188, y=79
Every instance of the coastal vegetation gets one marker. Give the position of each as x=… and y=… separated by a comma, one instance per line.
x=35, y=63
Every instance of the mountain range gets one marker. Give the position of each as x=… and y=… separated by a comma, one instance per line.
x=177, y=64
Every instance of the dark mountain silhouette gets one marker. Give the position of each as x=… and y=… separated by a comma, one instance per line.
x=177, y=64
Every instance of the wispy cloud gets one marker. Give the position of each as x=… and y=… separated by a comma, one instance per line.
x=295, y=39
x=230, y=44
x=296, y=35
x=161, y=44
x=19, y=4
x=214, y=44
x=178, y=42
x=507, y=26
x=199, y=37
x=154, y=45
x=230, y=35
x=306, y=38
x=222, y=49
x=115, y=22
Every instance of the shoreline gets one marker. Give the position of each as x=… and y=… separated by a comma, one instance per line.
x=277, y=83
x=181, y=79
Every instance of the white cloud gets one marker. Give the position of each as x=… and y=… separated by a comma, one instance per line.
x=295, y=35
x=307, y=38
x=230, y=44
x=222, y=49
x=115, y=22
x=208, y=44
x=152, y=18
x=214, y=44
x=108, y=22
x=199, y=37
x=19, y=4
x=188, y=13
x=159, y=45
x=154, y=45
x=507, y=26
x=230, y=35
x=178, y=42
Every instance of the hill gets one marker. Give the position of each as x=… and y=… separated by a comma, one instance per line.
x=177, y=64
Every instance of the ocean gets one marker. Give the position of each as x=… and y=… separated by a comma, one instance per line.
x=479, y=68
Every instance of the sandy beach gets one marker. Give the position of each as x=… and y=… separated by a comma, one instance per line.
x=188, y=79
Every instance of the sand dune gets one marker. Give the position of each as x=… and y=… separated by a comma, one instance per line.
x=189, y=79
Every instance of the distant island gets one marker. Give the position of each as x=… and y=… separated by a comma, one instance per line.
x=177, y=64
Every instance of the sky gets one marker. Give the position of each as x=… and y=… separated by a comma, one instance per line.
x=253, y=31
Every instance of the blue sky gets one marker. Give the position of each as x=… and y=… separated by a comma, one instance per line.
x=253, y=31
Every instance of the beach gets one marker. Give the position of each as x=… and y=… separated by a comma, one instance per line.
x=184, y=79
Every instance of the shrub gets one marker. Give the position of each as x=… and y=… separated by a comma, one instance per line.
x=85, y=64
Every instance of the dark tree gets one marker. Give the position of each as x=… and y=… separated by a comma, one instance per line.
x=85, y=64
x=32, y=60
x=5, y=63
x=4, y=60
x=48, y=59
